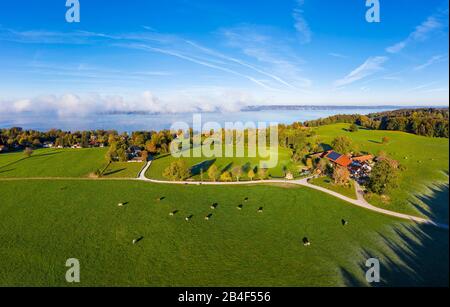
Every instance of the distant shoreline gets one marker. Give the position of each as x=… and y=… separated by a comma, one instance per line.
x=259, y=108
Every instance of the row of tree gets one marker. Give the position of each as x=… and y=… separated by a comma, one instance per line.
x=432, y=122
x=152, y=141
x=178, y=170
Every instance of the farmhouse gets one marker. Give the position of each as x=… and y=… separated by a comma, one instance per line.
x=48, y=145
x=359, y=166
x=337, y=158
x=137, y=160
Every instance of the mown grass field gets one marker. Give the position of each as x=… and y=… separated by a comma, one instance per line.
x=223, y=164
x=52, y=163
x=64, y=163
x=426, y=162
x=123, y=170
x=327, y=183
x=45, y=222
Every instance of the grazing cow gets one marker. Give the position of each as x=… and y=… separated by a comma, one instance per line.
x=246, y=199
x=189, y=218
x=344, y=222
x=306, y=242
x=260, y=210
x=135, y=241
x=208, y=217
x=240, y=207
x=120, y=205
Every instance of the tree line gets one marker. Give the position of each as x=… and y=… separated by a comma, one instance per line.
x=431, y=122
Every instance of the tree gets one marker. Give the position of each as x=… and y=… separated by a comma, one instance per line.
x=341, y=175
x=342, y=144
x=323, y=165
x=177, y=171
x=28, y=152
x=122, y=155
x=309, y=163
x=144, y=155
x=213, y=171
x=36, y=143
x=384, y=176
x=353, y=128
x=226, y=176
x=237, y=172
x=262, y=173
x=151, y=147
x=251, y=174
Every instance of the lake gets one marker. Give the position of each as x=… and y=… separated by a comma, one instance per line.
x=134, y=122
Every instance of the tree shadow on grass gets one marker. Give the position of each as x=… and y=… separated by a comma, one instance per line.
x=205, y=165
x=434, y=204
x=247, y=167
x=411, y=255
x=227, y=167
x=31, y=157
x=46, y=154
x=114, y=172
x=375, y=142
x=7, y=170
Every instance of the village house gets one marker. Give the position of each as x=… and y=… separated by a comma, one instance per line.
x=48, y=145
x=137, y=160
x=358, y=166
x=337, y=158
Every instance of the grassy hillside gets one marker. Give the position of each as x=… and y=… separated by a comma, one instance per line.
x=43, y=223
x=52, y=163
x=327, y=183
x=123, y=170
x=223, y=164
x=426, y=162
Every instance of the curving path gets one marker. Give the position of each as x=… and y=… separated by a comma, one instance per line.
x=360, y=201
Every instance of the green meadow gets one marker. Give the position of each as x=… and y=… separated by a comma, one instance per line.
x=45, y=222
x=425, y=161
x=53, y=163
x=223, y=163
x=123, y=170
x=327, y=183
x=64, y=163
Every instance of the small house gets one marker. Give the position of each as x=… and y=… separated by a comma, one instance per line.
x=338, y=159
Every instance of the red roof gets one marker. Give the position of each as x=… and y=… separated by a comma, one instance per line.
x=344, y=161
x=339, y=159
x=363, y=158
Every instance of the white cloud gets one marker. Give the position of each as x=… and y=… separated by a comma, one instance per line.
x=301, y=25
x=371, y=66
x=73, y=106
x=201, y=62
x=268, y=46
x=338, y=55
x=420, y=34
x=433, y=60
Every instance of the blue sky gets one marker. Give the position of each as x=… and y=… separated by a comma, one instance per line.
x=177, y=55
